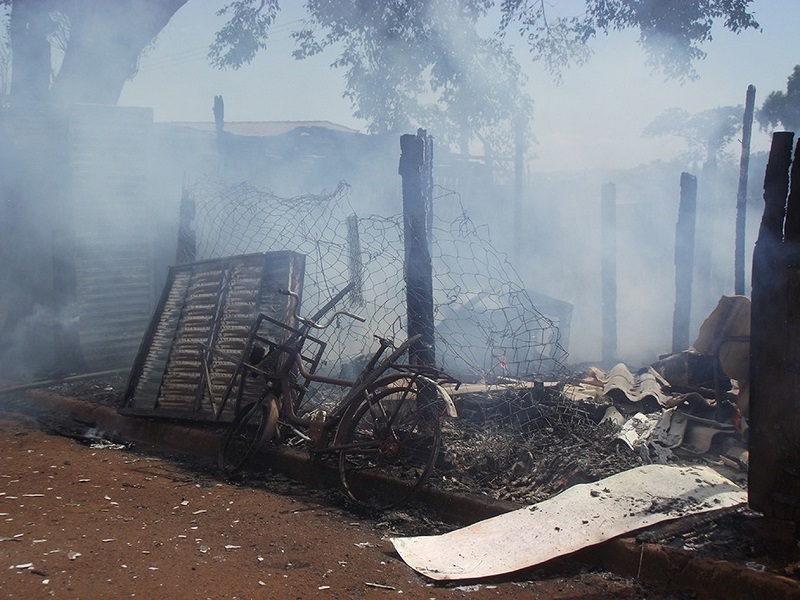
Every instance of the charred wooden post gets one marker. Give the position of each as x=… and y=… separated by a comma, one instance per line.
x=187, y=242
x=608, y=271
x=774, y=473
x=741, y=196
x=791, y=227
x=414, y=169
x=684, y=262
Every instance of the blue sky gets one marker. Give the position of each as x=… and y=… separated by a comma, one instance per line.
x=593, y=119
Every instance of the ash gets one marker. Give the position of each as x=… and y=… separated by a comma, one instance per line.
x=528, y=445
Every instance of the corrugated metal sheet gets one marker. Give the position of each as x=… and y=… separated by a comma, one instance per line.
x=214, y=303
x=108, y=149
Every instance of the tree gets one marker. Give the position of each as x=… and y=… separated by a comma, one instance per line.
x=670, y=31
x=706, y=133
x=101, y=44
x=410, y=61
x=395, y=54
x=781, y=108
x=407, y=63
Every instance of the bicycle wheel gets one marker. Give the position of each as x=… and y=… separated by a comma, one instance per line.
x=388, y=447
x=256, y=421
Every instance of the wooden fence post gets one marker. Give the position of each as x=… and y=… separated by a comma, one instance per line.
x=608, y=271
x=415, y=169
x=741, y=196
x=774, y=469
x=684, y=263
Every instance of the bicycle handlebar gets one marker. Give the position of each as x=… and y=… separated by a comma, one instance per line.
x=310, y=322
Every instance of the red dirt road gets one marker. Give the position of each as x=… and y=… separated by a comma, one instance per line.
x=81, y=522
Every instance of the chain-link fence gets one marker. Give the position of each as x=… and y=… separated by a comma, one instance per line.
x=487, y=326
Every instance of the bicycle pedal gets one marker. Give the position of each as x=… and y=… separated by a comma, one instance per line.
x=318, y=436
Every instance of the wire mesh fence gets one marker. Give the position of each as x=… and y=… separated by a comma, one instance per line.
x=487, y=326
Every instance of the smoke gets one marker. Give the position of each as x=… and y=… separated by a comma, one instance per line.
x=30, y=343
x=60, y=171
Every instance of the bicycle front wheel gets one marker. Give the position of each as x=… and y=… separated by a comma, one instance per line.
x=388, y=447
x=254, y=422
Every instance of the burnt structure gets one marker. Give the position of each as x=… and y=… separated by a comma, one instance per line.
x=774, y=475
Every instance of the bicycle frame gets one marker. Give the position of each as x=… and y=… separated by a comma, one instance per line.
x=319, y=429
x=282, y=361
x=385, y=424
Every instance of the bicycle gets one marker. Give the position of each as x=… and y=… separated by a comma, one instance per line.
x=387, y=427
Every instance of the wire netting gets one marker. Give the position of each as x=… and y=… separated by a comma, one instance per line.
x=487, y=326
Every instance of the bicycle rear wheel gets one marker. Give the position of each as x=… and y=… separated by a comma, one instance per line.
x=388, y=447
x=255, y=421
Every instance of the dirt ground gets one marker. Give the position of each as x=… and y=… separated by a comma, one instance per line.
x=81, y=522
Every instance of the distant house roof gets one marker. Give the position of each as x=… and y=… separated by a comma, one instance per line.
x=262, y=128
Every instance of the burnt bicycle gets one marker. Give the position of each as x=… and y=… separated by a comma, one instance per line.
x=384, y=431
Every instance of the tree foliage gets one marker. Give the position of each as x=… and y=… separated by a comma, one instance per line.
x=405, y=62
x=408, y=61
x=245, y=33
x=670, y=31
x=783, y=108
x=706, y=133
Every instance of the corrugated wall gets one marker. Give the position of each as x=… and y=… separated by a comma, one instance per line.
x=108, y=154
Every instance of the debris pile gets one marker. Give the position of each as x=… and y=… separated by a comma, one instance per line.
x=526, y=445
x=526, y=442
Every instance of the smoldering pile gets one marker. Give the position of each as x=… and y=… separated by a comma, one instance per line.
x=528, y=444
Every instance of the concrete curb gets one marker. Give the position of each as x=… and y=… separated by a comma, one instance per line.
x=673, y=569
x=653, y=564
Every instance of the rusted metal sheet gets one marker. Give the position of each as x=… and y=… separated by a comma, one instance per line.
x=212, y=303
